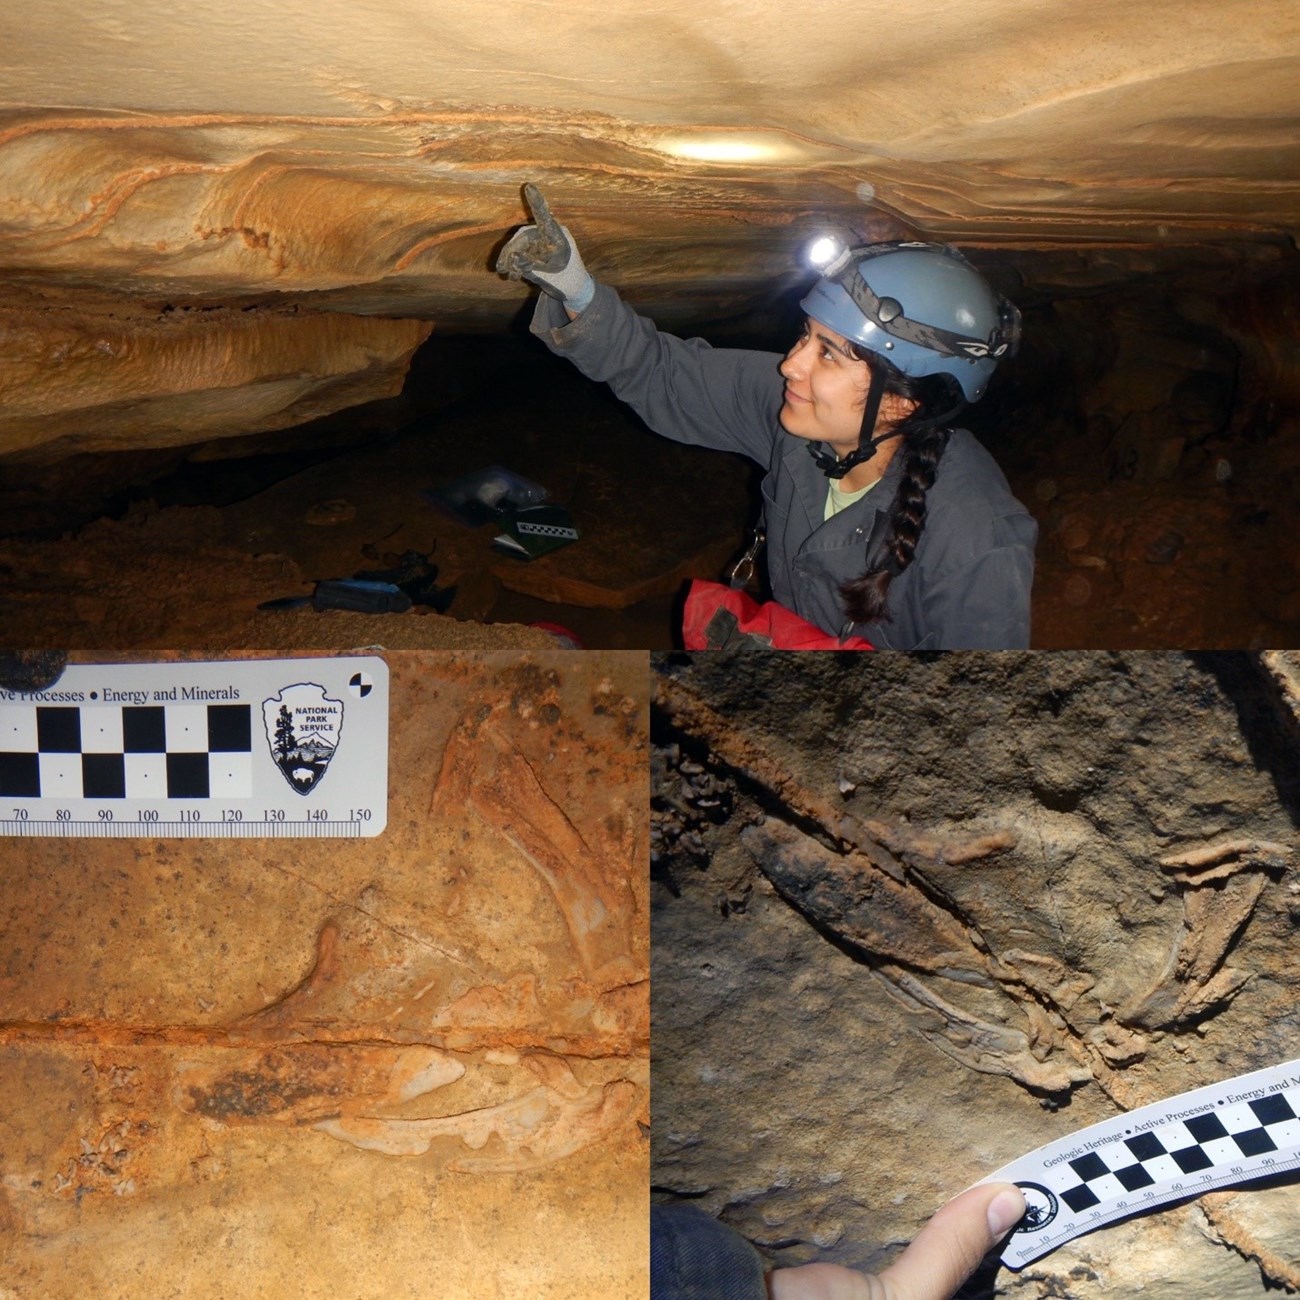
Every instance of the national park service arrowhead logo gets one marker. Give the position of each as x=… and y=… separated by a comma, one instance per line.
x=303, y=726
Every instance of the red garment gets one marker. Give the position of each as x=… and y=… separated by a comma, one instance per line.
x=716, y=617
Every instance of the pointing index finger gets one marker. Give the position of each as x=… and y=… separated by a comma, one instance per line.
x=541, y=211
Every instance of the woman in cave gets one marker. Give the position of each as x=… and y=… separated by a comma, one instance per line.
x=882, y=520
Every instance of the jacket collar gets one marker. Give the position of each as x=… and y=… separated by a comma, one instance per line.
x=810, y=486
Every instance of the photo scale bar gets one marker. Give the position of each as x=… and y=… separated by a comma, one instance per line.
x=1048, y=1242
x=231, y=749
x=235, y=830
x=1228, y=1133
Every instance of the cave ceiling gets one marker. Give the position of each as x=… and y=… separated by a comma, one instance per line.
x=233, y=218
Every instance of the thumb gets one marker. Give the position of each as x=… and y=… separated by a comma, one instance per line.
x=950, y=1247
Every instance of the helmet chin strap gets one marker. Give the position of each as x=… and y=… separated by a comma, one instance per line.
x=837, y=466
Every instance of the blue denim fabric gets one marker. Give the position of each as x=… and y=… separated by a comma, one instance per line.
x=694, y=1257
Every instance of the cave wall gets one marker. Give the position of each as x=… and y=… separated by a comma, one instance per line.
x=366, y=164
x=124, y=377
x=1150, y=424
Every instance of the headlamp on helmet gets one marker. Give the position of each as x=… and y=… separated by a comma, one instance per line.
x=921, y=305
x=828, y=254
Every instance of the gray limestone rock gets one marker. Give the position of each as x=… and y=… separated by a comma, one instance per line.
x=916, y=916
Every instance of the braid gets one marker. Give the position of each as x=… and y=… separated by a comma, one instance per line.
x=925, y=438
x=864, y=597
x=907, y=519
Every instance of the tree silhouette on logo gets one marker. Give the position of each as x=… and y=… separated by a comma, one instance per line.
x=284, y=741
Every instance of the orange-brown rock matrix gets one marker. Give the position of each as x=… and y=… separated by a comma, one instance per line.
x=409, y=1065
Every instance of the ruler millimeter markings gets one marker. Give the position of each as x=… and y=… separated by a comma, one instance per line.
x=237, y=749
x=1244, y=1128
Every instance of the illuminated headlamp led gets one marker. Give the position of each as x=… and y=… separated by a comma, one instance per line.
x=829, y=255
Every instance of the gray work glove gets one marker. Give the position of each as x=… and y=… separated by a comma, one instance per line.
x=545, y=254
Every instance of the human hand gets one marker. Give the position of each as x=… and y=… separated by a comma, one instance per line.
x=545, y=254
x=943, y=1255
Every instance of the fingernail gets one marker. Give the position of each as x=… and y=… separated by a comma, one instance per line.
x=1006, y=1209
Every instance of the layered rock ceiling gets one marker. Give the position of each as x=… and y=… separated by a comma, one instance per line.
x=222, y=221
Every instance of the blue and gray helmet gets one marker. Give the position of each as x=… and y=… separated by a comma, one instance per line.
x=923, y=307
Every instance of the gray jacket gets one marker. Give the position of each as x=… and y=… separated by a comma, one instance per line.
x=969, y=582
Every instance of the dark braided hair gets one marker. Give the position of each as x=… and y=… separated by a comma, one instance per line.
x=925, y=434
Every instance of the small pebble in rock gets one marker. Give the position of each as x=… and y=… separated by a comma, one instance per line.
x=1075, y=531
x=326, y=514
x=1077, y=591
x=1164, y=550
